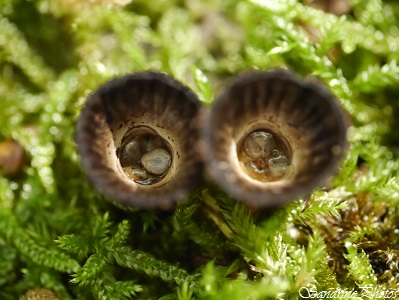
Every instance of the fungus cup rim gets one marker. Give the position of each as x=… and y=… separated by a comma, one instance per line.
x=272, y=194
x=99, y=173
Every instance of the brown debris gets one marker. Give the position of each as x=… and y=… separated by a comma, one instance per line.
x=12, y=158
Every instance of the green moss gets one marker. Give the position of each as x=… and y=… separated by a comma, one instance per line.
x=58, y=233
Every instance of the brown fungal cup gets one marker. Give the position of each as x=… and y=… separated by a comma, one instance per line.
x=272, y=137
x=137, y=138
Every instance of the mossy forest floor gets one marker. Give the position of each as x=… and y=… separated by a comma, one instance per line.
x=61, y=239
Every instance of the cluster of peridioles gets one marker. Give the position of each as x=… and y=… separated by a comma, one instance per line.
x=269, y=138
x=144, y=155
x=262, y=157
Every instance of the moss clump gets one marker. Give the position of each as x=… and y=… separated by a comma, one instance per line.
x=58, y=233
x=39, y=294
